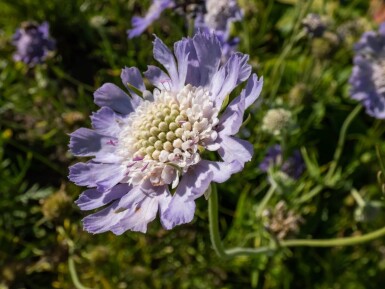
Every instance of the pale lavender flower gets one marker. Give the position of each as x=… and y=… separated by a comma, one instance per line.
x=293, y=166
x=368, y=75
x=145, y=148
x=33, y=43
x=141, y=23
x=221, y=13
x=215, y=15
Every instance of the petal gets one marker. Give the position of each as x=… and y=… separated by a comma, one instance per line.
x=164, y=56
x=253, y=90
x=157, y=77
x=141, y=23
x=143, y=210
x=235, y=149
x=221, y=171
x=231, y=120
x=133, y=77
x=245, y=68
x=44, y=29
x=91, y=174
x=105, y=121
x=182, y=51
x=225, y=80
x=236, y=70
x=182, y=206
x=103, y=220
x=91, y=199
x=208, y=51
x=113, y=97
x=86, y=142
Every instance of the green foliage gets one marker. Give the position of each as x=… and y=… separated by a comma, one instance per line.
x=42, y=244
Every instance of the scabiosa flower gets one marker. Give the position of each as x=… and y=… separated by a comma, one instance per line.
x=33, y=43
x=277, y=121
x=147, y=152
x=220, y=13
x=314, y=25
x=368, y=76
x=293, y=166
x=141, y=23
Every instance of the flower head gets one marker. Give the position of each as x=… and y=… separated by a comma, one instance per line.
x=293, y=166
x=33, y=43
x=221, y=13
x=147, y=152
x=314, y=25
x=141, y=23
x=368, y=76
x=277, y=120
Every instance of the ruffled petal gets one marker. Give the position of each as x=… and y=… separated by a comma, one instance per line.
x=244, y=67
x=225, y=80
x=182, y=206
x=157, y=77
x=164, y=56
x=113, y=97
x=253, y=90
x=105, y=121
x=231, y=120
x=91, y=174
x=92, y=199
x=86, y=142
x=142, y=210
x=221, y=171
x=235, y=149
x=208, y=51
x=133, y=77
x=182, y=51
x=103, y=220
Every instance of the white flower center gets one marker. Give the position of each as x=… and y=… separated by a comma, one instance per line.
x=161, y=139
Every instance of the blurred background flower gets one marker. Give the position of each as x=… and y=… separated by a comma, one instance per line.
x=32, y=42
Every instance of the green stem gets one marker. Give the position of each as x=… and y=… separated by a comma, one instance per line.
x=74, y=275
x=265, y=200
x=213, y=223
x=341, y=140
x=315, y=191
x=346, y=241
x=233, y=252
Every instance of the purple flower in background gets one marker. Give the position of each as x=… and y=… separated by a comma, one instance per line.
x=141, y=23
x=314, y=25
x=368, y=76
x=293, y=166
x=220, y=13
x=33, y=43
x=147, y=151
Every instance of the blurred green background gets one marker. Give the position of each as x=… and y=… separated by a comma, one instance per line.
x=42, y=244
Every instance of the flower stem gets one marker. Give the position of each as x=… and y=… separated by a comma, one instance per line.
x=346, y=241
x=234, y=252
x=213, y=223
x=341, y=140
x=74, y=275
